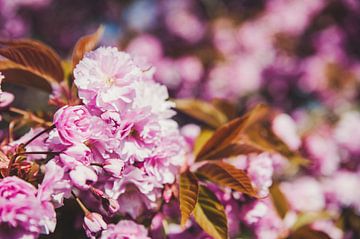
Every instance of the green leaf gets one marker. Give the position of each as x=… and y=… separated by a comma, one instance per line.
x=31, y=63
x=85, y=44
x=279, y=200
x=189, y=190
x=226, y=175
x=210, y=215
x=202, y=111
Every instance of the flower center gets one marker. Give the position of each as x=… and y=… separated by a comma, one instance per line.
x=109, y=81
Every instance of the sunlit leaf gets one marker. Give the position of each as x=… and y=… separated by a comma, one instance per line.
x=30, y=63
x=202, y=111
x=226, y=175
x=85, y=44
x=189, y=190
x=307, y=218
x=250, y=133
x=307, y=232
x=200, y=141
x=210, y=215
x=279, y=200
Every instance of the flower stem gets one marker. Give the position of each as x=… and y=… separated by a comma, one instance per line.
x=37, y=135
x=80, y=203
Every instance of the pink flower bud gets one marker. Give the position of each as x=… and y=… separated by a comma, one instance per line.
x=111, y=205
x=93, y=224
x=82, y=177
x=6, y=99
x=114, y=167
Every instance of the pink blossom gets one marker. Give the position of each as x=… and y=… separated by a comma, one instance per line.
x=146, y=46
x=304, y=187
x=260, y=171
x=82, y=177
x=323, y=151
x=285, y=128
x=253, y=212
x=264, y=220
x=73, y=124
x=6, y=98
x=134, y=204
x=103, y=78
x=21, y=213
x=156, y=96
x=54, y=187
x=78, y=154
x=168, y=74
x=190, y=132
x=125, y=229
x=93, y=224
x=14, y=187
x=190, y=69
x=114, y=167
x=341, y=190
x=185, y=25
x=347, y=132
x=329, y=228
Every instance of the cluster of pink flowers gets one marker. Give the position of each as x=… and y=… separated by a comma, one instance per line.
x=121, y=145
x=27, y=211
x=116, y=151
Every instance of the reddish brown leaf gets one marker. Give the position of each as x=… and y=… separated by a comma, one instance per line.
x=86, y=44
x=307, y=232
x=209, y=213
x=189, y=190
x=250, y=133
x=226, y=175
x=202, y=111
x=31, y=63
x=227, y=107
x=229, y=140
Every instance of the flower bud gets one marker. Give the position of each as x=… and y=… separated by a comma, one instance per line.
x=93, y=224
x=111, y=205
x=83, y=176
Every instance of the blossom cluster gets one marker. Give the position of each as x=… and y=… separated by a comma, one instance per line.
x=116, y=151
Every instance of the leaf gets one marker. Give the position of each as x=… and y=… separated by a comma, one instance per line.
x=189, y=190
x=310, y=217
x=279, y=200
x=307, y=232
x=250, y=133
x=200, y=141
x=86, y=44
x=31, y=63
x=202, y=111
x=227, y=107
x=226, y=175
x=229, y=140
x=210, y=215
